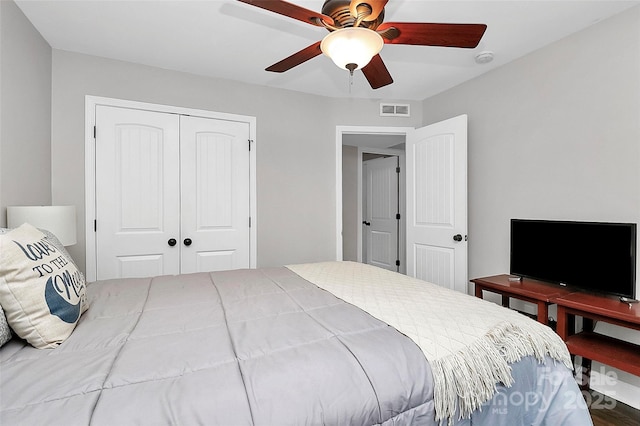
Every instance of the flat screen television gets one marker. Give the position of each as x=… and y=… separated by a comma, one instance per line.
x=592, y=256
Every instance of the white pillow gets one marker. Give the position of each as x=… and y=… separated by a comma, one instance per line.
x=41, y=290
x=5, y=330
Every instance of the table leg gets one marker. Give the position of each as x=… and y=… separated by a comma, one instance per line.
x=588, y=326
x=585, y=376
x=505, y=300
x=543, y=313
x=478, y=291
x=562, y=326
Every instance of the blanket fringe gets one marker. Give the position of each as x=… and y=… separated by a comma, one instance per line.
x=468, y=378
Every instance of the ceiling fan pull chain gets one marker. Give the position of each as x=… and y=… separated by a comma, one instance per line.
x=351, y=67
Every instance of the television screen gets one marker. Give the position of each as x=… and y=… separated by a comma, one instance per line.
x=593, y=256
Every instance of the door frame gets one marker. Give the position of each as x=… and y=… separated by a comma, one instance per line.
x=356, y=130
x=91, y=102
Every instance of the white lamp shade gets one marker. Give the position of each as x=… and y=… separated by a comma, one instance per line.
x=352, y=46
x=61, y=220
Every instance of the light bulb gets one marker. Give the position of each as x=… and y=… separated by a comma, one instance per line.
x=348, y=46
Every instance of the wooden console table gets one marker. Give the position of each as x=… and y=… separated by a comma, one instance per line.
x=591, y=346
x=537, y=292
x=594, y=346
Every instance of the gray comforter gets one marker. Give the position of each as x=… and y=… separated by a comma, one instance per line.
x=229, y=348
x=262, y=347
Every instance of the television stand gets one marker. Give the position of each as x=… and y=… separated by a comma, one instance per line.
x=594, y=346
x=591, y=346
x=540, y=293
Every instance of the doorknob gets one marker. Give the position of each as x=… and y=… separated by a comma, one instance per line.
x=366, y=223
x=172, y=242
x=457, y=237
x=187, y=241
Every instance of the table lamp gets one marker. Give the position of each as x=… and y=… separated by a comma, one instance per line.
x=60, y=220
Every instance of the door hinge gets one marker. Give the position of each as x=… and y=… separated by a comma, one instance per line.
x=250, y=141
x=95, y=225
x=94, y=132
x=397, y=169
x=249, y=221
x=398, y=262
x=398, y=216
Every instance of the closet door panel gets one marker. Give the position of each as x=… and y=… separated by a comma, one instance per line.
x=213, y=181
x=215, y=194
x=137, y=192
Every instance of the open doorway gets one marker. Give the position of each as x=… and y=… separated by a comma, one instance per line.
x=435, y=200
x=373, y=207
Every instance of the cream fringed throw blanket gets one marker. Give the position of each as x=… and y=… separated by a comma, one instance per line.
x=468, y=342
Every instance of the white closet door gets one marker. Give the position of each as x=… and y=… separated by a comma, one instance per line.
x=215, y=194
x=137, y=193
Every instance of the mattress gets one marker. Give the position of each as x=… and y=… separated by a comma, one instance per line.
x=250, y=347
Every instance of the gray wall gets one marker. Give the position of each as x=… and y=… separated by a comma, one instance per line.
x=555, y=135
x=25, y=112
x=295, y=153
x=296, y=148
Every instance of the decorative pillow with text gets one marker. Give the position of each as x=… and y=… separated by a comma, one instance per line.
x=41, y=290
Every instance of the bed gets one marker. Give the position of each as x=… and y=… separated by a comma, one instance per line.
x=332, y=343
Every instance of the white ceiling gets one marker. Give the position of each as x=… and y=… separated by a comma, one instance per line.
x=232, y=40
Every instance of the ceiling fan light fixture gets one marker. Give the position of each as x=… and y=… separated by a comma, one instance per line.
x=349, y=46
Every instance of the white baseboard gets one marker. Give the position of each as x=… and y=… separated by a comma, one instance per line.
x=616, y=384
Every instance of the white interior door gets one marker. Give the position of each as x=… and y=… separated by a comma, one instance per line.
x=381, y=223
x=137, y=193
x=437, y=203
x=215, y=194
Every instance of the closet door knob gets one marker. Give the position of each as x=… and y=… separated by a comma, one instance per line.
x=172, y=242
x=187, y=241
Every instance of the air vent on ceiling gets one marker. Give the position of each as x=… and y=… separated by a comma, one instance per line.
x=394, y=110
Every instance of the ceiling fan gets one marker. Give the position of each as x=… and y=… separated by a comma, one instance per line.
x=357, y=33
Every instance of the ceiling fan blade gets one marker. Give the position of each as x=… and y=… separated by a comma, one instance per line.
x=377, y=6
x=425, y=34
x=296, y=59
x=292, y=11
x=377, y=73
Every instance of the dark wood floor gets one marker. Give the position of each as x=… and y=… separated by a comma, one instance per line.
x=606, y=411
